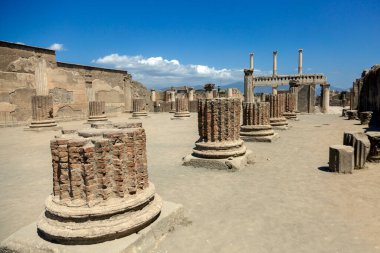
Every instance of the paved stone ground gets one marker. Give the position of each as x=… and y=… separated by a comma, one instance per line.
x=282, y=203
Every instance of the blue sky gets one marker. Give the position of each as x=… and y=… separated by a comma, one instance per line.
x=164, y=43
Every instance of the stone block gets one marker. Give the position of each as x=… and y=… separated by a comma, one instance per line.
x=341, y=159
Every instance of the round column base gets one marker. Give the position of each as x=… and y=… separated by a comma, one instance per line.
x=181, y=115
x=97, y=118
x=279, y=123
x=258, y=133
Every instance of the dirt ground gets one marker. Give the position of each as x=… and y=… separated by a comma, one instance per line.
x=284, y=202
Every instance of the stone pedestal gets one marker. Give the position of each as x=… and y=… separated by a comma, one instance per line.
x=101, y=189
x=182, y=109
x=97, y=111
x=290, y=106
x=359, y=141
x=139, y=108
x=256, y=125
x=341, y=159
x=277, y=107
x=344, y=112
x=374, y=152
x=365, y=117
x=352, y=114
x=219, y=144
x=42, y=114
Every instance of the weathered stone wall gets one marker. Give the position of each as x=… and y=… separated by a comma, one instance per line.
x=66, y=84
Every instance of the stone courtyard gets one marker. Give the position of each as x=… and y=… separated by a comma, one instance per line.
x=286, y=201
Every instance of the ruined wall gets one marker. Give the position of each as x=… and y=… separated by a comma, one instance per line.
x=306, y=98
x=66, y=84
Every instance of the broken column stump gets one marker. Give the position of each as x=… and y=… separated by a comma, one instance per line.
x=139, y=108
x=277, y=107
x=42, y=113
x=182, y=108
x=256, y=125
x=97, y=111
x=101, y=189
x=365, y=117
x=290, y=106
x=341, y=159
x=360, y=142
x=219, y=145
x=352, y=114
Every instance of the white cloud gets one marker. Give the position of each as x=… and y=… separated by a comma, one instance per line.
x=20, y=43
x=158, y=71
x=56, y=47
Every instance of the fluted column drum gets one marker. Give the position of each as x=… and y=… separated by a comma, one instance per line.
x=101, y=189
x=277, y=108
x=219, y=129
x=182, y=108
x=97, y=111
x=290, y=106
x=139, y=108
x=256, y=124
x=42, y=112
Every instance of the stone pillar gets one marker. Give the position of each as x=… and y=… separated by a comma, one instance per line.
x=101, y=188
x=191, y=95
x=229, y=93
x=294, y=90
x=209, y=87
x=97, y=111
x=219, y=144
x=290, y=106
x=139, y=108
x=128, y=93
x=326, y=98
x=300, y=61
x=277, y=107
x=172, y=102
x=256, y=125
x=153, y=95
x=182, y=108
x=42, y=103
x=274, y=90
x=248, y=86
x=341, y=159
x=274, y=63
x=251, y=61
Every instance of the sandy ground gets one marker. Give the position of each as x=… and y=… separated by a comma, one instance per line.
x=282, y=203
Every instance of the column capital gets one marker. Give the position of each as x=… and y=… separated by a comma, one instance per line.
x=248, y=72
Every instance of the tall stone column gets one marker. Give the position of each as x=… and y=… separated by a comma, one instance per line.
x=277, y=108
x=97, y=111
x=42, y=102
x=290, y=106
x=101, y=188
x=219, y=144
x=326, y=98
x=274, y=63
x=191, y=95
x=229, y=93
x=139, y=108
x=300, y=61
x=153, y=95
x=182, y=108
x=248, y=86
x=128, y=94
x=256, y=125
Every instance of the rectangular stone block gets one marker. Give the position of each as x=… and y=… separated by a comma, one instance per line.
x=341, y=159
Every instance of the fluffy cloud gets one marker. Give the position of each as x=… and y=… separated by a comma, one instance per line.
x=56, y=47
x=157, y=71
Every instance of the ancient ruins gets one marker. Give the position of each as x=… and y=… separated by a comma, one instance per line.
x=139, y=108
x=219, y=145
x=182, y=108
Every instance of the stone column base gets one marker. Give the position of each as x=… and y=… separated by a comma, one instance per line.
x=43, y=125
x=290, y=115
x=230, y=164
x=181, y=115
x=258, y=133
x=97, y=118
x=27, y=240
x=279, y=123
x=139, y=115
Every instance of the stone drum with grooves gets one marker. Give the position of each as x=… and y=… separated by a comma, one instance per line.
x=101, y=189
x=290, y=106
x=42, y=112
x=256, y=126
x=219, y=144
x=97, y=110
x=139, y=108
x=277, y=107
x=182, y=108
